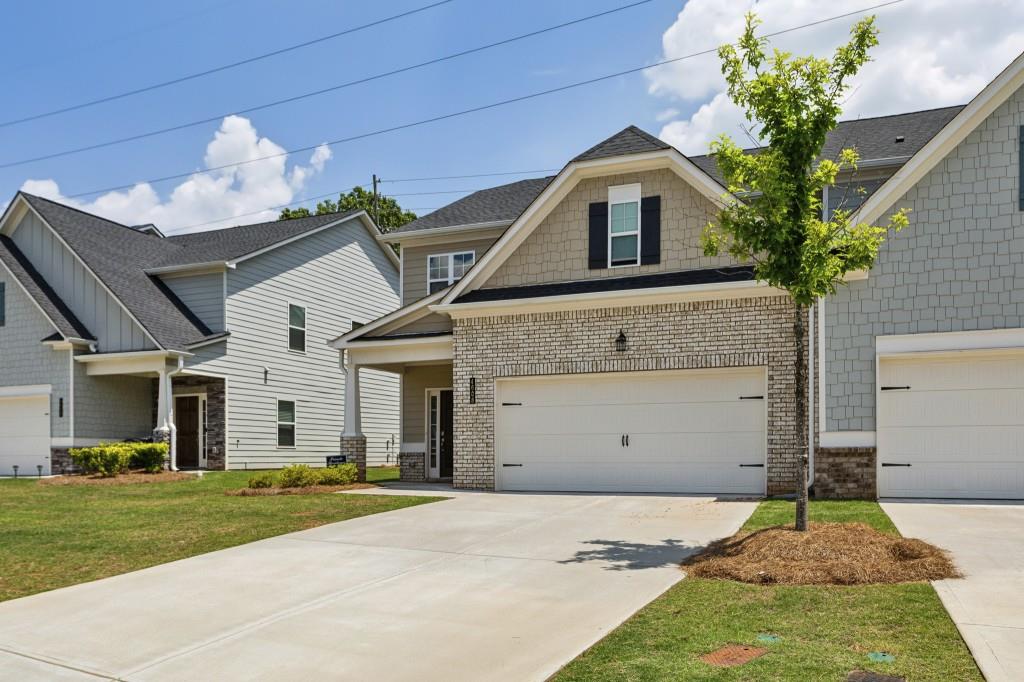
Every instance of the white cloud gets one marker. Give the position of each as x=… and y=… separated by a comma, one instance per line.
x=204, y=197
x=931, y=54
x=667, y=114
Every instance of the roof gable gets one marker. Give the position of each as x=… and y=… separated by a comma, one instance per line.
x=629, y=140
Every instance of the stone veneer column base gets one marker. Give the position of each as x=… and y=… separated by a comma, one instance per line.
x=60, y=462
x=412, y=467
x=845, y=474
x=354, y=449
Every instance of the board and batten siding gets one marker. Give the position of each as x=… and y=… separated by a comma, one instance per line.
x=958, y=265
x=202, y=294
x=414, y=263
x=338, y=275
x=25, y=360
x=102, y=315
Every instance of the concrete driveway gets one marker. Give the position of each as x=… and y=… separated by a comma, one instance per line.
x=483, y=586
x=987, y=542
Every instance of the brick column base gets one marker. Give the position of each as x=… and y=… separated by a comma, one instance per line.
x=845, y=473
x=412, y=467
x=354, y=449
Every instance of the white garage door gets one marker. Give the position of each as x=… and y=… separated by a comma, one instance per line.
x=952, y=426
x=24, y=435
x=695, y=431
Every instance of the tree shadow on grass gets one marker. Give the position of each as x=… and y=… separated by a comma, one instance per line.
x=620, y=555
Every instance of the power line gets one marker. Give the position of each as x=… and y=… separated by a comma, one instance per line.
x=223, y=67
x=476, y=175
x=464, y=112
x=316, y=93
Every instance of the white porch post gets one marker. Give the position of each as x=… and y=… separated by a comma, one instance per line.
x=171, y=425
x=353, y=418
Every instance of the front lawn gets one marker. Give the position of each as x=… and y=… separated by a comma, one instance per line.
x=53, y=536
x=824, y=631
x=381, y=474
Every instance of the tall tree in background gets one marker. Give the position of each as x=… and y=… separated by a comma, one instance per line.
x=391, y=215
x=778, y=225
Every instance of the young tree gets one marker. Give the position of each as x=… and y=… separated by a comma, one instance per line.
x=777, y=223
x=391, y=215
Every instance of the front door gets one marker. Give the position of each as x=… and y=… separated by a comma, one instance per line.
x=439, y=441
x=186, y=419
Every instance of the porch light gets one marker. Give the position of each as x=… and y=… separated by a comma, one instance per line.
x=620, y=342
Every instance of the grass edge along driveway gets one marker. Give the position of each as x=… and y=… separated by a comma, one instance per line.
x=56, y=536
x=825, y=631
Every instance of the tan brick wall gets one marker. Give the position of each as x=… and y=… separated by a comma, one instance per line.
x=705, y=334
x=557, y=250
x=845, y=473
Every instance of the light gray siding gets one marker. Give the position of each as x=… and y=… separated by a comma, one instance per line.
x=112, y=407
x=203, y=295
x=958, y=266
x=414, y=264
x=339, y=275
x=81, y=292
x=25, y=361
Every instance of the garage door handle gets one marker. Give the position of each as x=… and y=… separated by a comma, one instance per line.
x=511, y=465
x=510, y=404
x=759, y=466
x=751, y=397
x=894, y=464
x=895, y=388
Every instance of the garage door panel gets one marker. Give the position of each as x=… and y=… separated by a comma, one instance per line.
x=649, y=418
x=611, y=389
x=653, y=477
x=24, y=434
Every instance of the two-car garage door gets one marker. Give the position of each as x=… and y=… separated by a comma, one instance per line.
x=24, y=434
x=687, y=431
x=952, y=426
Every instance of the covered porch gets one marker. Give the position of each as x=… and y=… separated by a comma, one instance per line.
x=186, y=408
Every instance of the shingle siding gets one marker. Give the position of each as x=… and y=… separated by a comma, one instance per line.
x=958, y=266
x=25, y=361
x=112, y=407
x=339, y=275
x=203, y=295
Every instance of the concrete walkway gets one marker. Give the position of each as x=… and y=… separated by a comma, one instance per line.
x=480, y=587
x=987, y=543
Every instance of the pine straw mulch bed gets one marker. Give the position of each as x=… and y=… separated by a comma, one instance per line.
x=121, y=479
x=308, y=490
x=827, y=554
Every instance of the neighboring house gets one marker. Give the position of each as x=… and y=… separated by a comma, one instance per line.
x=216, y=339
x=568, y=333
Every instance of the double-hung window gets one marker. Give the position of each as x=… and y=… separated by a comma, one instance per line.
x=296, y=328
x=285, y=423
x=445, y=269
x=623, y=225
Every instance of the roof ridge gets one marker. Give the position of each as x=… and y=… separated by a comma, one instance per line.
x=903, y=113
x=265, y=222
x=87, y=213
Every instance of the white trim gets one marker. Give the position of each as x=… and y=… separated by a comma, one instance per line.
x=423, y=350
x=450, y=231
x=201, y=460
x=190, y=269
x=822, y=368
x=428, y=393
x=450, y=255
x=26, y=391
x=71, y=393
x=414, y=447
x=970, y=117
x=393, y=316
x=294, y=423
x=66, y=442
x=846, y=439
x=991, y=339
x=303, y=328
x=31, y=298
x=619, y=195
x=103, y=357
x=562, y=184
x=209, y=342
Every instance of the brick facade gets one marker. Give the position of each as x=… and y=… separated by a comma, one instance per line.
x=845, y=473
x=694, y=335
x=354, y=448
x=412, y=467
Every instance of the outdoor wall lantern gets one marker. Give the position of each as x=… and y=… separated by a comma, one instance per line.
x=620, y=342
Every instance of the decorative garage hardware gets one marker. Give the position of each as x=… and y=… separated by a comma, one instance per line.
x=472, y=390
x=895, y=464
x=751, y=397
x=511, y=465
x=625, y=440
x=895, y=388
x=621, y=343
x=510, y=404
x=752, y=466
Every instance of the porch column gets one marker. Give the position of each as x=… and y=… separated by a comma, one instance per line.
x=165, y=431
x=353, y=442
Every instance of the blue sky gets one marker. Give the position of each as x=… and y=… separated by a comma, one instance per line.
x=96, y=49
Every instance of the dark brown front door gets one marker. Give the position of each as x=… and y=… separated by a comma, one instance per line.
x=186, y=419
x=445, y=469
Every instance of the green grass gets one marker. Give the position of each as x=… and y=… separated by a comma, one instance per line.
x=53, y=536
x=381, y=474
x=826, y=631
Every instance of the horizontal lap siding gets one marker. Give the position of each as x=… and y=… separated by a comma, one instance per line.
x=339, y=275
x=414, y=263
x=415, y=382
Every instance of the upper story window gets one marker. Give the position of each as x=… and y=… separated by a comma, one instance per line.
x=849, y=195
x=296, y=328
x=445, y=269
x=623, y=225
x=3, y=303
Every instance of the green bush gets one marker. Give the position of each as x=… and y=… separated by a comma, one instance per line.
x=297, y=476
x=343, y=474
x=264, y=479
x=111, y=459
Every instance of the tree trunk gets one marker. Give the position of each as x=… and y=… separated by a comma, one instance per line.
x=801, y=378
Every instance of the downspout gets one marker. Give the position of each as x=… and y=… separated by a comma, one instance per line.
x=810, y=393
x=170, y=413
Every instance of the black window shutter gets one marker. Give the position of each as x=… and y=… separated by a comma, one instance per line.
x=650, y=230
x=598, y=257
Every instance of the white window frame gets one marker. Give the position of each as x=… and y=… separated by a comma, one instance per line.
x=304, y=328
x=451, y=279
x=294, y=423
x=624, y=194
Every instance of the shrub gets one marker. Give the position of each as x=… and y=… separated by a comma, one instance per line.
x=148, y=456
x=343, y=474
x=264, y=479
x=297, y=476
x=111, y=459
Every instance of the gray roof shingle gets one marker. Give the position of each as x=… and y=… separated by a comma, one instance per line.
x=504, y=202
x=629, y=140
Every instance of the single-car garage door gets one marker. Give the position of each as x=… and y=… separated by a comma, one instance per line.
x=24, y=435
x=688, y=431
x=952, y=426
